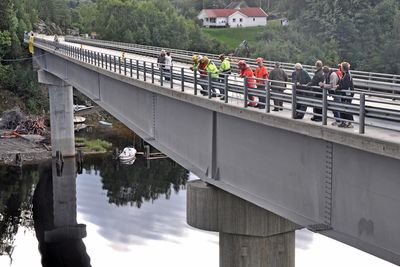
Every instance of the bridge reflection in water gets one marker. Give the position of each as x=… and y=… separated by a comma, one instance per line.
x=54, y=214
x=117, y=232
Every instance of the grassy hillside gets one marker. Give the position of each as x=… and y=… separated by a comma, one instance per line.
x=232, y=37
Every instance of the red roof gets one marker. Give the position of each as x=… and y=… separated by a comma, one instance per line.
x=247, y=11
x=218, y=13
x=253, y=12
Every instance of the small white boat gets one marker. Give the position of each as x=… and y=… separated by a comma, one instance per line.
x=79, y=119
x=105, y=123
x=128, y=154
x=78, y=108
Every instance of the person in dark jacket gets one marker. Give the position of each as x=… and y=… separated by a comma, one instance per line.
x=162, y=61
x=346, y=88
x=278, y=74
x=300, y=79
x=317, y=78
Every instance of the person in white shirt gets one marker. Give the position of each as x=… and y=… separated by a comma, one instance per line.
x=168, y=65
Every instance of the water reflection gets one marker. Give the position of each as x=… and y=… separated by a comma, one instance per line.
x=16, y=189
x=144, y=181
x=124, y=186
x=54, y=214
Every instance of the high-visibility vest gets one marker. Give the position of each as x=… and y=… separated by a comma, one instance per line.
x=31, y=47
x=225, y=65
x=211, y=68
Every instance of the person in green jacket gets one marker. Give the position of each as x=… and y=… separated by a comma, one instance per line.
x=207, y=66
x=224, y=71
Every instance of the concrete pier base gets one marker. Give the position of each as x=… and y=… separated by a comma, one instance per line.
x=249, y=235
x=61, y=114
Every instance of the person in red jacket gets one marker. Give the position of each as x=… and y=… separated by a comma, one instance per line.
x=246, y=71
x=261, y=73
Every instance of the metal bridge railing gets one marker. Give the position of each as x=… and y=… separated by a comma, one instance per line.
x=235, y=90
x=365, y=81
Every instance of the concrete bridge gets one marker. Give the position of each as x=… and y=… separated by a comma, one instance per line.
x=270, y=174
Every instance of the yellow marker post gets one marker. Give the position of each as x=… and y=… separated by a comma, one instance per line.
x=123, y=55
x=31, y=47
x=81, y=46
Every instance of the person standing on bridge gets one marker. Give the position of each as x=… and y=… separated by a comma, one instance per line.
x=261, y=73
x=317, y=78
x=300, y=77
x=346, y=88
x=161, y=60
x=168, y=66
x=224, y=71
x=278, y=74
x=247, y=72
x=207, y=67
x=331, y=83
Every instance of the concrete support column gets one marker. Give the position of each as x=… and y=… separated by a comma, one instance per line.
x=61, y=114
x=249, y=235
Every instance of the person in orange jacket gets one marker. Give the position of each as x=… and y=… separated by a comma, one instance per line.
x=246, y=71
x=261, y=72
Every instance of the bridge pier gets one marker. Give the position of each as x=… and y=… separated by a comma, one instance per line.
x=249, y=235
x=61, y=114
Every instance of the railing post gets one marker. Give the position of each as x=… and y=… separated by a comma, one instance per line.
x=245, y=92
x=119, y=65
x=124, y=66
x=195, y=81
x=226, y=85
x=324, y=106
x=144, y=71
x=152, y=72
x=209, y=85
x=161, y=75
x=131, y=67
x=137, y=69
x=294, y=101
x=171, y=78
x=361, y=128
x=115, y=64
x=268, y=97
x=182, y=79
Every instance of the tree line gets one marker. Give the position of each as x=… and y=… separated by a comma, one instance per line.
x=365, y=33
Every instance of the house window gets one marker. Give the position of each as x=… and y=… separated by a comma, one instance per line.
x=206, y=19
x=241, y=20
x=213, y=20
x=234, y=20
x=254, y=19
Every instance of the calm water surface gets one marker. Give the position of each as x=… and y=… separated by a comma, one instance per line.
x=134, y=216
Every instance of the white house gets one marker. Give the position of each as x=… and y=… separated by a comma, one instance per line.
x=243, y=17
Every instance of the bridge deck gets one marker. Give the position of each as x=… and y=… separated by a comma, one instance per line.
x=376, y=129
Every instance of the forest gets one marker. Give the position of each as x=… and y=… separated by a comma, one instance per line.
x=365, y=33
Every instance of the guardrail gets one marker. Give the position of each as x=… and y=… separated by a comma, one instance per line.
x=241, y=91
x=365, y=81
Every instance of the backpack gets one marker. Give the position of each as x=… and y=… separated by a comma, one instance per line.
x=346, y=83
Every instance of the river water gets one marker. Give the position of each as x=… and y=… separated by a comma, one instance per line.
x=134, y=216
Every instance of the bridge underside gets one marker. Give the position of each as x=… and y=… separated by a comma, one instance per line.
x=339, y=191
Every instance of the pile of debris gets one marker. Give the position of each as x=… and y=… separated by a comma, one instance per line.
x=15, y=121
